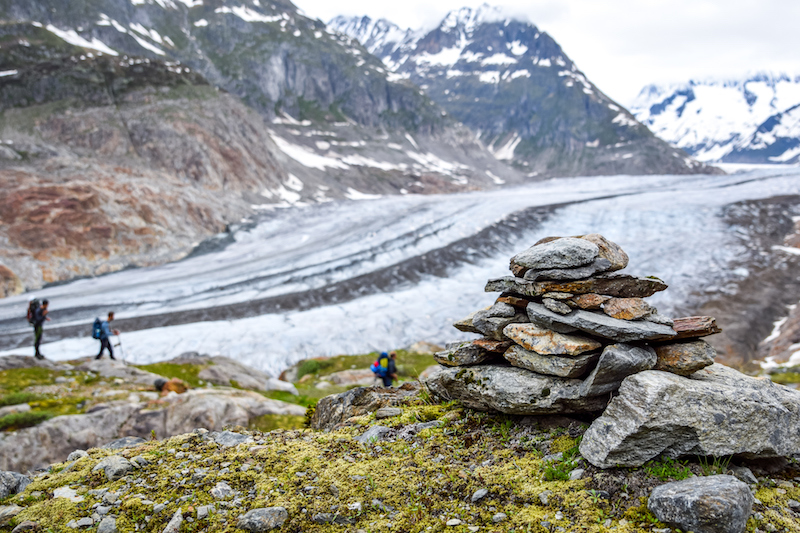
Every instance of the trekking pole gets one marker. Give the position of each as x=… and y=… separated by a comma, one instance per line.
x=121, y=351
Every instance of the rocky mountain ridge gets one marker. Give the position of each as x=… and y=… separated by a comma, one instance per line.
x=114, y=161
x=754, y=119
x=515, y=86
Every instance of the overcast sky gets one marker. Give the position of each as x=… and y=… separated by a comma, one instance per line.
x=623, y=45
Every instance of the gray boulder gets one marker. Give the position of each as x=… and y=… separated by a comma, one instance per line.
x=551, y=365
x=562, y=253
x=617, y=362
x=226, y=439
x=713, y=504
x=511, y=390
x=124, y=442
x=598, y=324
x=716, y=411
x=263, y=519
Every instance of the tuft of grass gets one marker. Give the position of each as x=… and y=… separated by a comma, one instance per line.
x=271, y=422
x=16, y=398
x=187, y=373
x=712, y=466
x=667, y=469
x=25, y=419
x=785, y=378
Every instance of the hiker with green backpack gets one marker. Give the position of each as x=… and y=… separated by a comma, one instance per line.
x=101, y=330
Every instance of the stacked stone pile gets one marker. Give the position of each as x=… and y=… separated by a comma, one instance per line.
x=570, y=333
x=566, y=330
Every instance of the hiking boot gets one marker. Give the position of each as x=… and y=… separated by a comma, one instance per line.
x=39, y=356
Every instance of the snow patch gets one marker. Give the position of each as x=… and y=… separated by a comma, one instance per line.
x=353, y=194
x=72, y=37
x=491, y=76
x=498, y=59
x=248, y=15
x=202, y=23
x=306, y=157
x=624, y=120
x=5, y=73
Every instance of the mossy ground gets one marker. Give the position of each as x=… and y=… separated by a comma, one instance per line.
x=412, y=484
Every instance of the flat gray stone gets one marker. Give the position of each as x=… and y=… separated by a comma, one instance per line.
x=7, y=512
x=617, y=362
x=388, y=412
x=478, y=495
x=373, y=434
x=712, y=504
x=490, y=322
x=597, y=266
x=175, y=522
x=229, y=438
x=462, y=354
x=107, y=525
x=124, y=442
x=222, y=491
x=608, y=284
x=717, y=411
x=547, y=342
x=562, y=253
x=556, y=306
x=551, y=365
x=599, y=324
x=465, y=324
x=511, y=390
x=114, y=466
x=263, y=519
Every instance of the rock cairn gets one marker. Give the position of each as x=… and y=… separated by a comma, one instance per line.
x=569, y=333
x=565, y=331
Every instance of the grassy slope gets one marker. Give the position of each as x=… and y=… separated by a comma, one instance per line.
x=426, y=480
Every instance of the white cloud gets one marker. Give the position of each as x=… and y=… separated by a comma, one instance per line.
x=623, y=45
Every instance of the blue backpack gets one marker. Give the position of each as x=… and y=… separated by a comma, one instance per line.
x=97, y=329
x=381, y=367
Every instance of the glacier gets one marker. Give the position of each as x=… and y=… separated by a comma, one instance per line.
x=375, y=274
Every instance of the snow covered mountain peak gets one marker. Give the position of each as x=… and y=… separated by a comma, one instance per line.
x=753, y=119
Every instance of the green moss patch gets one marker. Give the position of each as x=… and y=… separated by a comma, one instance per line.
x=187, y=373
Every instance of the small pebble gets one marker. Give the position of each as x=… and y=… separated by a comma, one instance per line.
x=499, y=517
x=453, y=522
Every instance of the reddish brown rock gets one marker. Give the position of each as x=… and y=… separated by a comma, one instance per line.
x=590, y=301
x=684, y=358
x=546, y=342
x=695, y=326
x=516, y=301
x=627, y=308
x=491, y=345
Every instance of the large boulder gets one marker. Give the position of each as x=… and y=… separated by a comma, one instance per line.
x=599, y=324
x=114, y=368
x=511, y=390
x=716, y=411
x=713, y=504
x=53, y=440
x=227, y=372
x=336, y=409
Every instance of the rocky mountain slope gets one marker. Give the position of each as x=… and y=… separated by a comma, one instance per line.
x=110, y=160
x=755, y=119
x=515, y=86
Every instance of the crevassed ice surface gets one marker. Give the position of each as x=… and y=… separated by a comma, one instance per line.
x=670, y=226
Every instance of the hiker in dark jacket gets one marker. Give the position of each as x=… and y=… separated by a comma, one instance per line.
x=391, y=371
x=105, y=336
x=39, y=317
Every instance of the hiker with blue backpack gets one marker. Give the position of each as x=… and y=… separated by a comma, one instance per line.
x=102, y=331
x=385, y=368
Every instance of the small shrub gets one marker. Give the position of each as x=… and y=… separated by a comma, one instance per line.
x=667, y=469
x=26, y=419
x=309, y=366
x=16, y=398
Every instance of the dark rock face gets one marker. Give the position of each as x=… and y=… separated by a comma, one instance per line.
x=617, y=362
x=712, y=504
